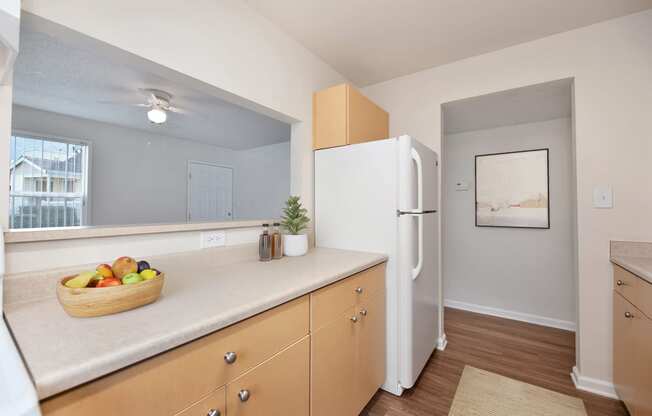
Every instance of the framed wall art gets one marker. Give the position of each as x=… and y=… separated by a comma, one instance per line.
x=512, y=189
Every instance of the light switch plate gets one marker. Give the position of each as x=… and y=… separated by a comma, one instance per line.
x=213, y=239
x=461, y=186
x=603, y=197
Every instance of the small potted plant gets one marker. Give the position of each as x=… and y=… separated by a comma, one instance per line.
x=294, y=221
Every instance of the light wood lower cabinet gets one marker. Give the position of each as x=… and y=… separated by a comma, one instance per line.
x=280, y=363
x=632, y=349
x=212, y=405
x=279, y=386
x=333, y=355
x=370, y=360
x=348, y=352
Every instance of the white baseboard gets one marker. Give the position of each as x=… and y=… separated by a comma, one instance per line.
x=517, y=316
x=442, y=342
x=593, y=385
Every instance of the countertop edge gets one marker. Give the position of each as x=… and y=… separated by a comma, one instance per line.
x=629, y=264
x=71, y=233
x=47, y=388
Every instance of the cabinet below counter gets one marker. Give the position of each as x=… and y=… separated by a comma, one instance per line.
x=632, y=325
x=200, y=300
x=275, y=363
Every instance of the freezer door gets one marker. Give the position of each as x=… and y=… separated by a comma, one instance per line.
x=418, y=170
x=419, y=306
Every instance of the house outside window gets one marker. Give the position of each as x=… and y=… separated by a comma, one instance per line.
x=48, y=182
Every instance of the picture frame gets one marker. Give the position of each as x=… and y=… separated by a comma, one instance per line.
x=512, y=189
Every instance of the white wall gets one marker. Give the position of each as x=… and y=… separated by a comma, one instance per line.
x=224, y=44
x=140, y=178
x=611, y=64
x=527, y=271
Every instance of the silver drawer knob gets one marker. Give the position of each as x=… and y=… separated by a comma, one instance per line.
x=213, y=412
x=628, y=315
x=230, y=357
x=243, y=395
x=363, y=312
x=358, y=290
x=619, y=283
x=354, y=319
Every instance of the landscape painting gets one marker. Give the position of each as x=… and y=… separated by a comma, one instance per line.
x=511, y=189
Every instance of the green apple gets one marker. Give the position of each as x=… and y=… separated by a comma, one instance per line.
x=131, y=278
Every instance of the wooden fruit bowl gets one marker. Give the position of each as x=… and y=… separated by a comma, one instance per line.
x=97, y=301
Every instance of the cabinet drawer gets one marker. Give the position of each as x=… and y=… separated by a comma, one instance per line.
x=180, y=377
x=279, y=386
x=212, y=405
x=331, y=301
x=372, y=281
x=634, y=289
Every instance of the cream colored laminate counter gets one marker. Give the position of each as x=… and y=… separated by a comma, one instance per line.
x=199, y=298
x=640, y=266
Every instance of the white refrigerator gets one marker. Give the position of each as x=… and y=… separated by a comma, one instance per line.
x=381, y=196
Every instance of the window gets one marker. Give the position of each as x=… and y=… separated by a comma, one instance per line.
x=48, y=182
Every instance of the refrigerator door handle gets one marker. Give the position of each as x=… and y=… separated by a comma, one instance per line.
x=416, y=271
x=417, y=161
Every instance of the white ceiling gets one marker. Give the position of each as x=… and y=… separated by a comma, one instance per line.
x=65, y=72
x=370, y=41
x=530, y=104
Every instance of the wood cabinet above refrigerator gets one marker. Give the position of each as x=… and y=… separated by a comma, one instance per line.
x=342, y=115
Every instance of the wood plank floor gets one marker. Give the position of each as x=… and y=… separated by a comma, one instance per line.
x=530, y=353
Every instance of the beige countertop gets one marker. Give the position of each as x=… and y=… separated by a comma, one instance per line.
x=640, y=266
x=199, y=297
x=634, y=256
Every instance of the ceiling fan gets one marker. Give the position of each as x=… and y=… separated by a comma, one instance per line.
x=158, y=102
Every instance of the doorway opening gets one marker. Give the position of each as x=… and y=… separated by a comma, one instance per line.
x=509, y=227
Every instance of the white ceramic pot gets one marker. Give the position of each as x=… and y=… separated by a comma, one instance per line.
x=295, y=245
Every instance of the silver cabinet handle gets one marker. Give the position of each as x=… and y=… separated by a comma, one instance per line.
x=230, y=357
x=363, y=312
x=213, y=412
x=354, y=319
x=628, y=315
x=358, y=290
x=243, y=395
x=619, y=283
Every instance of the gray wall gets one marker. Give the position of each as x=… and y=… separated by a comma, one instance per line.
x=262, y=181
x=138, y=177
x=521, y=270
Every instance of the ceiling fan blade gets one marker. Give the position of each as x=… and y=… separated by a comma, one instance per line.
x=175, y=110
x=123, y=103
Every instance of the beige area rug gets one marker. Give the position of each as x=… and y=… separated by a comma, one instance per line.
x=482, y=393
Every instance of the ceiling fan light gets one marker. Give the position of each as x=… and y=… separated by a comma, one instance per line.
x=157, y=115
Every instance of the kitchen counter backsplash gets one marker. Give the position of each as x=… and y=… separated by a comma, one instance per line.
x=631, y=249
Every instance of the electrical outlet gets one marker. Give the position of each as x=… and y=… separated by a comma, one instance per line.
x=213, y=239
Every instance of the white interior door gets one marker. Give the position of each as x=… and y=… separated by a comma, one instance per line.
x=210, y=192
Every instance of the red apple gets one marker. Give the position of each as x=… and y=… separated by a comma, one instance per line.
x=111, y=281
